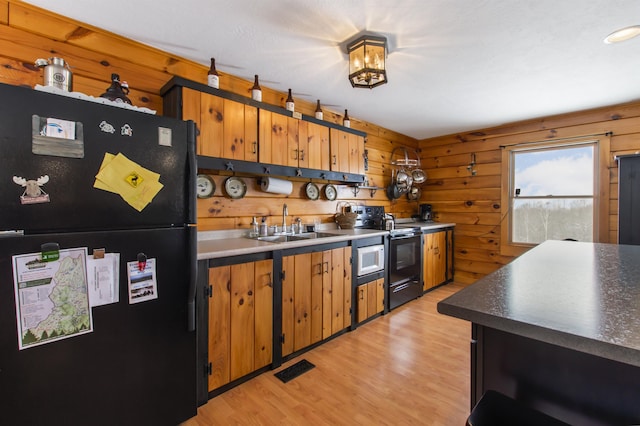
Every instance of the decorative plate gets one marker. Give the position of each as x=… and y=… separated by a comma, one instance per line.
x=235, y=187
x=330, y=192
x=205, y=186
x=312, y=191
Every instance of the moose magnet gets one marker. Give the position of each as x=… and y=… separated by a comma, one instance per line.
x=33, y=192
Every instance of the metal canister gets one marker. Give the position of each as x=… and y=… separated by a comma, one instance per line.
x=56, y=73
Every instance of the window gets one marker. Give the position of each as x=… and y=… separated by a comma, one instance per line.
x=553, y=192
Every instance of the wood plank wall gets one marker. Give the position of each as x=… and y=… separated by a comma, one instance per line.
x=474, y=202
x=28, y=33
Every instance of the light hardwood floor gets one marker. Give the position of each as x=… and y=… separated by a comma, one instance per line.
x=409, y=367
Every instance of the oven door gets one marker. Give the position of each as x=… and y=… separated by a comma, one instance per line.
x=404, y=258
x=405, y=263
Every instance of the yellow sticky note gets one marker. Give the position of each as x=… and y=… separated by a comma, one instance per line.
x=98, y=183
x=135, y=184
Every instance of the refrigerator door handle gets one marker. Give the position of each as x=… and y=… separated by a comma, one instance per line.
x=192, y=172
x=193, y=278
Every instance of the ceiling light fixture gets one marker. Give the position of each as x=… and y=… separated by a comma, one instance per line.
x=367, y=55
x=623, y=34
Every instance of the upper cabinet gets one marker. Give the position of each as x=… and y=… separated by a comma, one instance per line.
x=237, y=133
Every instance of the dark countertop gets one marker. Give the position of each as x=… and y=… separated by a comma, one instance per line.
x=582, y=296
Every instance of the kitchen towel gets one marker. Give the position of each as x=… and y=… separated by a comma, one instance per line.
x=276, y=186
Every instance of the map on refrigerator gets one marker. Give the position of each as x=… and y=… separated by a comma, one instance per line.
x=52, y=298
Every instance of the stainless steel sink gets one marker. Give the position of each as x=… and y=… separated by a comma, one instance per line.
x=296, y=237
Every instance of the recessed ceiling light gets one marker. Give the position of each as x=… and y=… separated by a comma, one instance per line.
x=623, y=34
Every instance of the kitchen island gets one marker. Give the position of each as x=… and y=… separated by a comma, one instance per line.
x=559, y=329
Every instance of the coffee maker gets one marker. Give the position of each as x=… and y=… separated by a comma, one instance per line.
x=425, y=213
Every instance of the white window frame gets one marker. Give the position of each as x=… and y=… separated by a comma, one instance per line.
x=601, y=145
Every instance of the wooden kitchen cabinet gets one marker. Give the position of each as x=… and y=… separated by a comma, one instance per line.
x=437, y=258
x=347, y=150
x=240, y=320
x=316, y=297
x=228, y=129
x=263, y=138
x=370, y=299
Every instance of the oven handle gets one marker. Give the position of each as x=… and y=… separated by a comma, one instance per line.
x=394, y=238
x=401, y=287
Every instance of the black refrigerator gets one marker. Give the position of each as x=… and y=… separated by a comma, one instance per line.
x=132, y=359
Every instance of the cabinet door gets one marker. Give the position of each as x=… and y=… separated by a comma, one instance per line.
x=439, y=257
x=250, y=133
x=242, y=319
x=233, y=130
x=337, y=290
x=302, y=301
x=372, y=299
x=346, y=283
x=265, y=134
x=279, y=139
x=340, y=153
x=326, y=294
x=380, y=295
x=288, y=267
x=356, y=151
x=317, y=147
x=211, y=125
x=363, y=302
x=219, y=326
x=435, y=259
x=303, y=144
x=316, y=296
x=191, y=111
x=263, y=313
x=293, y=151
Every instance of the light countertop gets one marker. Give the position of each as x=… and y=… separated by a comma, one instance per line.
x=216, y=244
x=582, y=296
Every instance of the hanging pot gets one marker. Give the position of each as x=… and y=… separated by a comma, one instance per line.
x=393, y=192
x=414, y=193
x=418, y=175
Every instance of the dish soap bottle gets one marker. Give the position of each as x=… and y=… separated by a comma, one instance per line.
x=255, y=231
x=264, y=231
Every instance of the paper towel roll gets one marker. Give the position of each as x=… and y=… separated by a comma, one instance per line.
x=276, y=186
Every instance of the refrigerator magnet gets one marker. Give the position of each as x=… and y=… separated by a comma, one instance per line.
x=106, y=127
x=126, y=130
x=33, y=192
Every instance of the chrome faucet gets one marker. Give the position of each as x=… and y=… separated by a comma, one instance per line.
x=285, y=212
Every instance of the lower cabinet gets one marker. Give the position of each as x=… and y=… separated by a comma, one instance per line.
x=240, y=320
x=316, y=297
x=370, y=299
x=437, y=261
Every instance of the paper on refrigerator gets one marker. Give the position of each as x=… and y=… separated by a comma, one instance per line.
x=103, y=275
x=52, y=300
